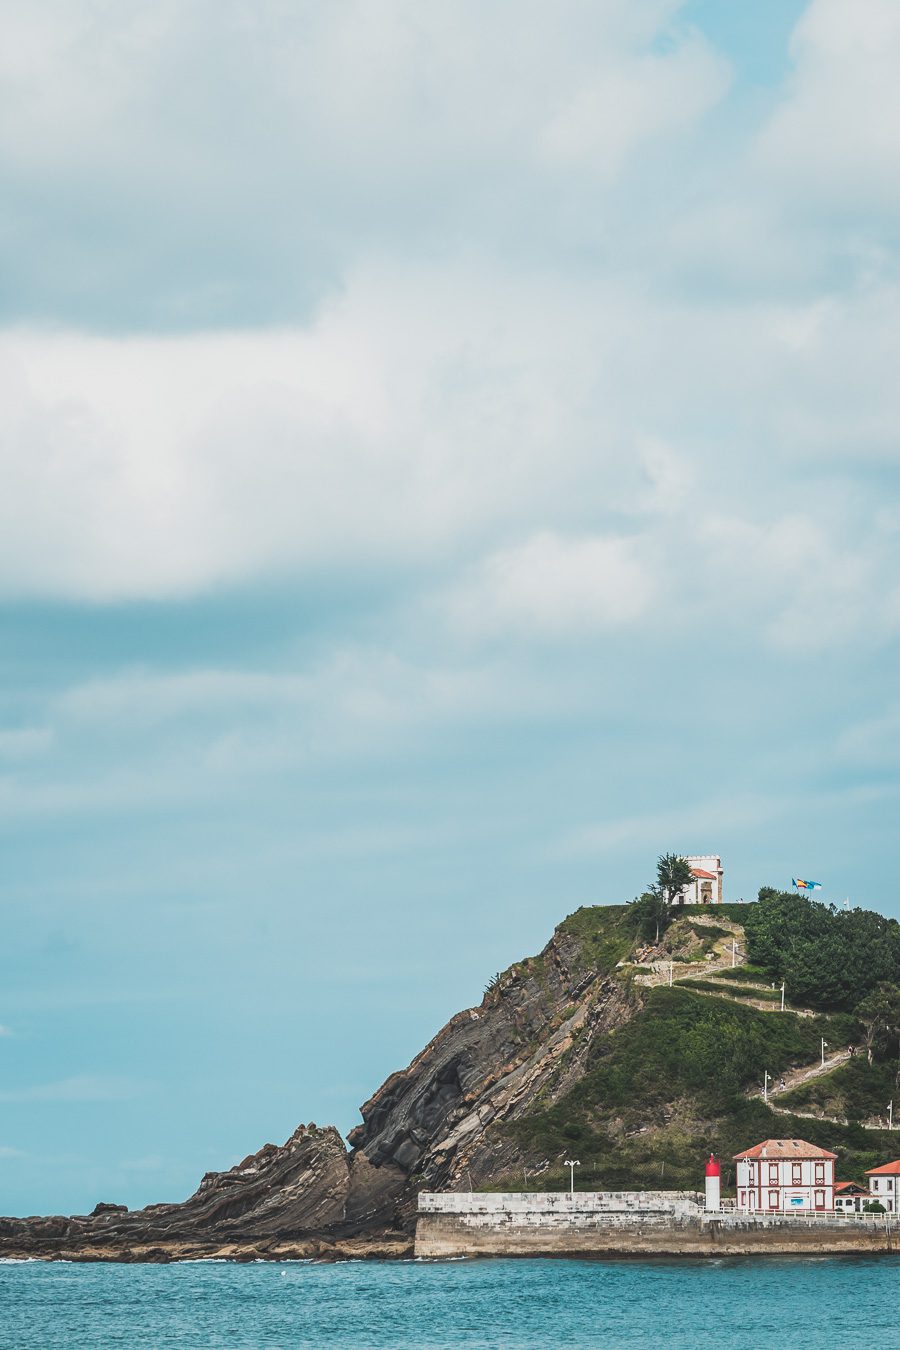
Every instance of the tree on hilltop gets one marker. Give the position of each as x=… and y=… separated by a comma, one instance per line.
x=673, y=874
x=653, y=910
x=652, y=914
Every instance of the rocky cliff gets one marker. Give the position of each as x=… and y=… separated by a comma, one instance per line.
x=584, y=1047
x=431, y=1125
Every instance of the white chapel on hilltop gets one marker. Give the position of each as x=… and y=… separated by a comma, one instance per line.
x=706, y=887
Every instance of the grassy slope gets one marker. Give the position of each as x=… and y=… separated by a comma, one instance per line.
x=854, y=1090
x=670, y=1085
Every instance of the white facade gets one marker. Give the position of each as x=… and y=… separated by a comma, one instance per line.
x=885, y=1187
x=707, y=886
x=852, y=1201
x=785, y=1177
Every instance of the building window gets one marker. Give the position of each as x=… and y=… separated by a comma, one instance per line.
x=796, y=1174
x=751, y=1173
x=820, y=1200
x=820, y=1174
x=874, y=1183
x=773, y=1174
x=773, y=1199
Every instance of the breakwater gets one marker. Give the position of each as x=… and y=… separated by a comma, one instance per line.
x=631, y=1223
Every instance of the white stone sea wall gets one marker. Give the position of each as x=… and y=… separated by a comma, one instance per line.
x=620, y=1223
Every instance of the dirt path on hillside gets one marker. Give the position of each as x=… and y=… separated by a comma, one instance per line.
x=797, y=1077
x=879, y=1123
x=722, y=960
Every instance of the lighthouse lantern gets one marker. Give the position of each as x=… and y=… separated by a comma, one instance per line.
x=713, y=1185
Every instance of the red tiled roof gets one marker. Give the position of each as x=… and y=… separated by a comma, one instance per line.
x=706, y=876
x=849, y=1186
x=890, y=1169
x=785, y=1148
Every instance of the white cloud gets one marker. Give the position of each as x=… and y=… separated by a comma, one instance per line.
x=616, y=443
x=5, y=1031
x=155, y=738
x=7, y=1152
x=545, y=447
x=376, y=86
x=804, y=589
x=551, y=585
x=834, y=134
x=354, y=687
x=165, y=467
x=616, y=110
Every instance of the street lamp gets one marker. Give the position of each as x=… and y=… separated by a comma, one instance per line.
x=766, y=1087
x=824, y=1047
x=890, y=1115
x=775, y=986
x=572, y=1163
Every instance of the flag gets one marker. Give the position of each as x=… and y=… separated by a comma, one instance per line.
x=807, y=885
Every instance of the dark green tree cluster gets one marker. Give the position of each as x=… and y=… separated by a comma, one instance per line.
x=879, y=1013
x=828, y=957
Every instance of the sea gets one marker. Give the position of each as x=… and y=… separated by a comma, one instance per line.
x=816, y=1303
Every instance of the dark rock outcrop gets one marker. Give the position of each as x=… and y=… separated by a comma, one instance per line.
x=436, y=1124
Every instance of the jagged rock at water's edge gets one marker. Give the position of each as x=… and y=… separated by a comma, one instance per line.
x=426, y=1126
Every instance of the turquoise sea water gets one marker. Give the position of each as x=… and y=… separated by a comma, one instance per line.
x=510, y=1305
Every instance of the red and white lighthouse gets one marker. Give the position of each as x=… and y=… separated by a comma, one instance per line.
x=713, y=1184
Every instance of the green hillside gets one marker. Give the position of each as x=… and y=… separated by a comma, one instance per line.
x=676, y=1080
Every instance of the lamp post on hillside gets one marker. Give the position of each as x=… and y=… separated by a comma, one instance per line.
x=824, y=1047
x=733, y=953
x=775, y=986
x=572, y=1163
x=766, y=1087
x=890, y=1115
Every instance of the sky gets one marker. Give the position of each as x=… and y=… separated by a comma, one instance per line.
x=449, y=457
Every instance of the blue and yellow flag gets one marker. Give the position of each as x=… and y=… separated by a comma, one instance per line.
x=807, y=885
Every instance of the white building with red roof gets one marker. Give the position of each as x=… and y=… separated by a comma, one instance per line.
x=785, y=1176
x=884, y=1183
x=706, y=887
x=850, y=1197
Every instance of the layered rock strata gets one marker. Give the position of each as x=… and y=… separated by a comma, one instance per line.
x=432, y=1126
